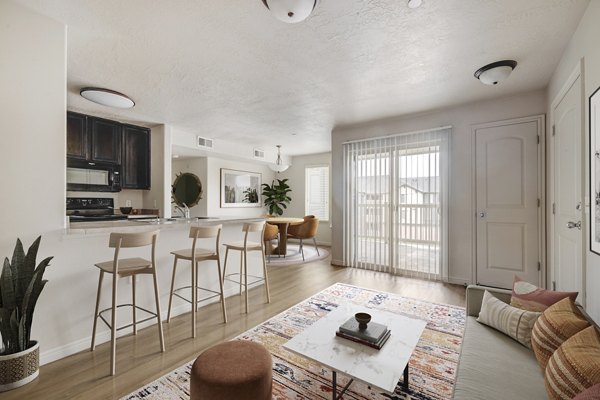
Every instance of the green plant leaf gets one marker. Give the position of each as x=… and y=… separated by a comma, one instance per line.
x=7, y=288
x=5, y=328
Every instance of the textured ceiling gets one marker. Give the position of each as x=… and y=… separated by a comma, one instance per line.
x=227, y=69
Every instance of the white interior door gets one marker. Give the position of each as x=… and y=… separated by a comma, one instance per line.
x=507, y=168
x=568, y=192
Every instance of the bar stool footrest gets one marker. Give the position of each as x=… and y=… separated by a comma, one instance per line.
x=152, y=316
x=257, y=279
x=216, y=294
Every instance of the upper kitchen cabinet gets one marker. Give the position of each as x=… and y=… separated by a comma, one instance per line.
x=136, y=158
x=77, y=137
x=105, y=137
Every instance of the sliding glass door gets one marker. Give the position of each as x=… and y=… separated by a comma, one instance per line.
x=395, y=204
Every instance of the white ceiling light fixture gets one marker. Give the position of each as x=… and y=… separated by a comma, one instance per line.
x=496, y=72
x=107, y=97
x=291, y=11
x=279, y=166
x=414, y=3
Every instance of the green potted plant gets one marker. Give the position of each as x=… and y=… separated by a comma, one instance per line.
x=20, y=286
x=276, y=196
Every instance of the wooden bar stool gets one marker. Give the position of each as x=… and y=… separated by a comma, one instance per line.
x=196, y=255
x=244, y=247
x=121, y=268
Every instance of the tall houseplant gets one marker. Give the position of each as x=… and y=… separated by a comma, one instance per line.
x=20, y=286
x=276, y=196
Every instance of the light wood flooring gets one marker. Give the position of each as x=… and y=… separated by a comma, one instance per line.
x=139, y=360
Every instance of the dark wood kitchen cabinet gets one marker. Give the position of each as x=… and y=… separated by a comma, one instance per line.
x=77, y=136
x=105, y=137
x=136, y=158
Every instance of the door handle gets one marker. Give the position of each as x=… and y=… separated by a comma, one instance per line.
x=572, y=225
x=482, y=214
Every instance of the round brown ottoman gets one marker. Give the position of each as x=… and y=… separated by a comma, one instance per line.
x=236, y=370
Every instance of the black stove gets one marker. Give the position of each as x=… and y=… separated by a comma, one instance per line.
x=89, y=209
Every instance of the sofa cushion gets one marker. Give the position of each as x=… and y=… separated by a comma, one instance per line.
x=558, y=323
x=509, y=320
x=592, y=393
x=532, y=298
x=575, y=365
x=494, y=366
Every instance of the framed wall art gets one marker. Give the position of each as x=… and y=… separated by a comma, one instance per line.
x=594, y=111
x=240, y=188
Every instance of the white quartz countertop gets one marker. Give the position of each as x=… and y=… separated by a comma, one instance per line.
x=134, y=225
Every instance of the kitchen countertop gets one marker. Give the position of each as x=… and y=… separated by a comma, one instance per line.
x=131, y=225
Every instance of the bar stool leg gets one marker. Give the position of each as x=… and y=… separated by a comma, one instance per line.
x=133, y=302
x=225, y=263
x=194, y=302
x=172, y=288
x=157, y=299
x=266, y=279
x=96, y=312
x=113, y=328
x=245, y=255
x=241, y=262
x=223, y=308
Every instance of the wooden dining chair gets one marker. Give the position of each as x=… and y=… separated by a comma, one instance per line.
x=271, y=233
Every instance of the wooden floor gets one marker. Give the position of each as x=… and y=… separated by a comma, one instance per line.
x=139, y=361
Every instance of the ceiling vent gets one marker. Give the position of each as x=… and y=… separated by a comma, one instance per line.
x=204, y=143
x=260, y=154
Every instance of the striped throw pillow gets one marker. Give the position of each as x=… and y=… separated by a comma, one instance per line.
x=509, y=320
x=558, y=323
x=575, y=365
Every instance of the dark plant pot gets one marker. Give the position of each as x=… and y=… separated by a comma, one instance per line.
x=19, y=369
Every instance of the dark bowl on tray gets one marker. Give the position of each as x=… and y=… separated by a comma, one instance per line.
x=125, y=210
x=363, y=319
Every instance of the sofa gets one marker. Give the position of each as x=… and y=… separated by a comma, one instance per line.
x=493, y=365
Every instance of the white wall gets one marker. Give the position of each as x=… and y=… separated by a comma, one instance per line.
x=584, y=45
x=159, y=195
x=461, y=118
x=208, y=169
x=33, y=139
x=297, y=182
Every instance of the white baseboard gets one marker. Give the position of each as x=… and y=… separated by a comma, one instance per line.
x=103, y=335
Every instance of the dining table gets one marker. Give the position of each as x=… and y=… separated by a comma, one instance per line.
x=283, y=224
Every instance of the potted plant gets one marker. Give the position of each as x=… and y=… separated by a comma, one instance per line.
x=276, y=196
x=20, y=286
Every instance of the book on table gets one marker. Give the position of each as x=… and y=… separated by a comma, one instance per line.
x=376, y=345
x=373, y=333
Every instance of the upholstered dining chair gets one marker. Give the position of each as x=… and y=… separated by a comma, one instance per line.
x=271, y=233
x=306, y=230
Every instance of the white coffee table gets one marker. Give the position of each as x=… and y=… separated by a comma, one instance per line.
x=379, y=368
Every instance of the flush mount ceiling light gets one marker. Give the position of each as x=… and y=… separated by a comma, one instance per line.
x=291, y=11
x=414, y=3
x=106, y=97
x=279, y=166
x=496, y=72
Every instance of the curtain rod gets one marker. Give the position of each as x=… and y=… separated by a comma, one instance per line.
x=441, y=128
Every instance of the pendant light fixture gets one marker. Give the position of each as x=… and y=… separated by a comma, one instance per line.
x=279, y=166
x=106, y=97
x=496, y=72
x=291, y=11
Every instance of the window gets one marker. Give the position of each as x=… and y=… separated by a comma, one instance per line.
x=317, y=191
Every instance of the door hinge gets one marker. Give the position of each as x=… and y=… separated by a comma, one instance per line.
x=554, y=285
x=553, y=130
x=539, y=203
x=538, y=139
x=553, y=208
x=539, y=266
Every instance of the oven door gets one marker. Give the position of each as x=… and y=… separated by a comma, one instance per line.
x=92, y=177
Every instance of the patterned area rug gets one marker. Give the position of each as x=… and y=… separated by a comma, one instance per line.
x=294, y=257
x=432, y=366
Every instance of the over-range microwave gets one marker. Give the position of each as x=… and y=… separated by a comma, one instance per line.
x=87, y=176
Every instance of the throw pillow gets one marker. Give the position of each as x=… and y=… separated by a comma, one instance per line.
x=592, y=393
x=532, y=298
x=575, y=365
x=509, y=320
x=558, y=323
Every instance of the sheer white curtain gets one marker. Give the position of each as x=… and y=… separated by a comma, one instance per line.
x=396, y=203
